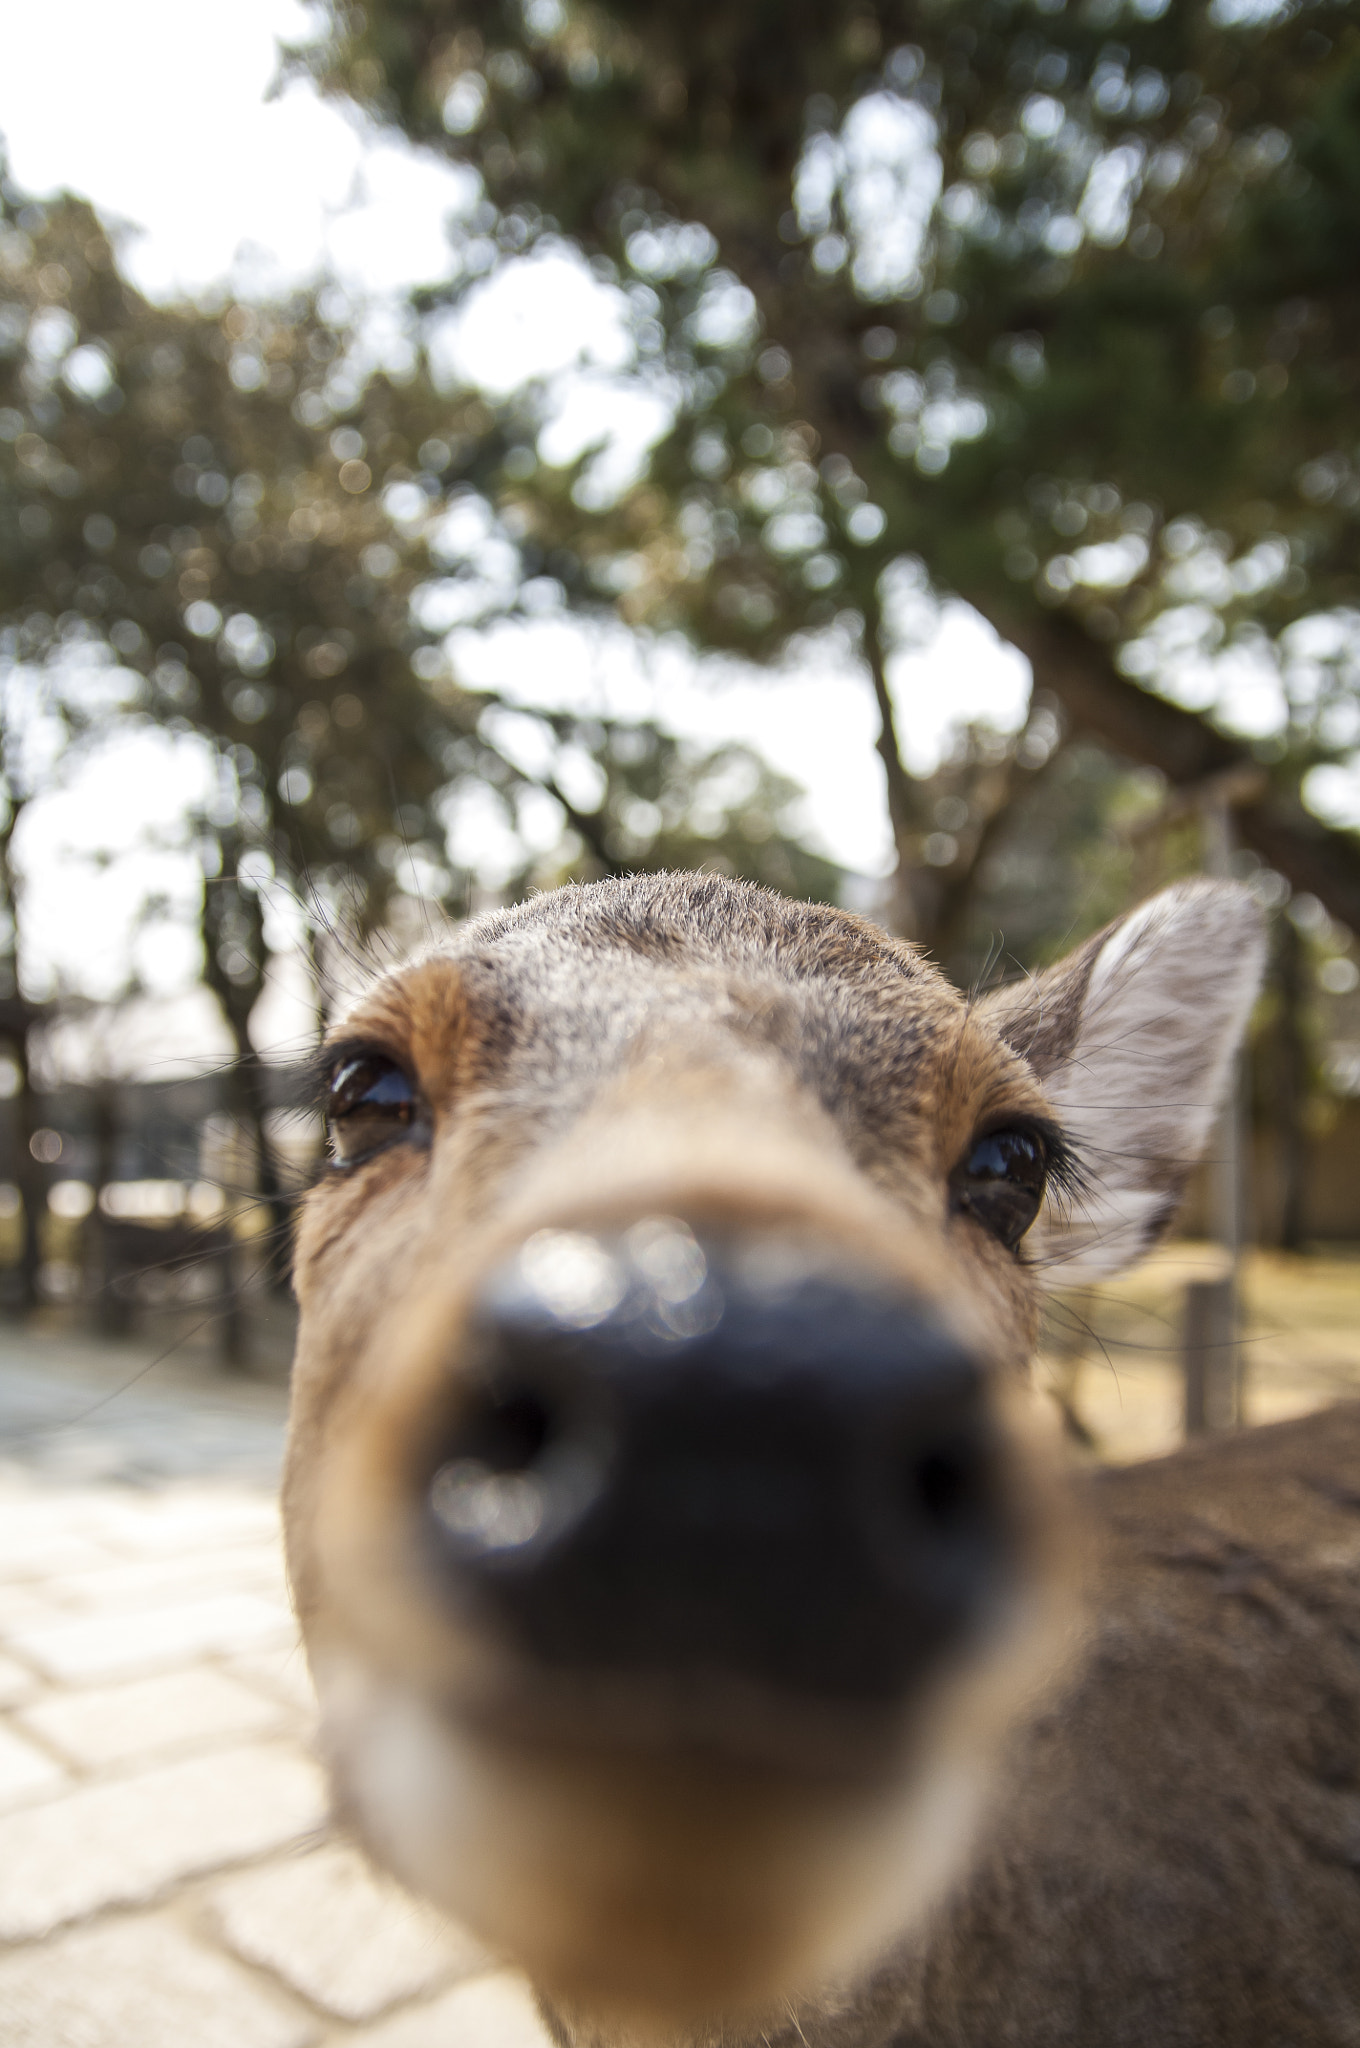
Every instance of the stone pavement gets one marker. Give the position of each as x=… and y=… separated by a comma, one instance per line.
x=168, y=1876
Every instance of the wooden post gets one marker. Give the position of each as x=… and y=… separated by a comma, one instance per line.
x=111, y=1311
x=1209, y=1348
x=1211, y=1352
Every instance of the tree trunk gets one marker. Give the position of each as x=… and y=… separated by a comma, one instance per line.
x=250, y=1107
x=32, y=1180
x=19, y=1019
x=960, y=883
x=110, y=1311
x=903, y=912
x=1186, y=748
x=1291, y=1086
x=232, y=926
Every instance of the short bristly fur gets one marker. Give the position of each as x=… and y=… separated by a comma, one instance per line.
x=1167, y=1851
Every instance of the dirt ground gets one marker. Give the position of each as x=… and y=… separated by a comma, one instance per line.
x=1116, y=1349
x=169, y=1876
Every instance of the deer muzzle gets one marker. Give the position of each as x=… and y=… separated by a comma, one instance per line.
x=671, y=1614
x=715, y=1480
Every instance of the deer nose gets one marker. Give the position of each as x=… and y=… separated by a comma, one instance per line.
x=680, y=1462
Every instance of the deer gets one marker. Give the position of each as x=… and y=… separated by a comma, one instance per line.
x=698, y=1609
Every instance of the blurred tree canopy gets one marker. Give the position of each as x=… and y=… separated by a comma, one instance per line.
x=1045, y=308
x=1042, y=308
x=230, y=522
x=1058, y=302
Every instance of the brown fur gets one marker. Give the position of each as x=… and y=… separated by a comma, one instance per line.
x=1172, y=1856
x=1174, y=1860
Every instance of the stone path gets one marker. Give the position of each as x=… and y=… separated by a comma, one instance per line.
x=168, y=1877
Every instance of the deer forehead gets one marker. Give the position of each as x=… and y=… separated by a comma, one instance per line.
x=568, y=996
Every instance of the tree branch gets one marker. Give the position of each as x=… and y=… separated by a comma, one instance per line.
x=1186, y=748
x=960, y=882
x=903, y=912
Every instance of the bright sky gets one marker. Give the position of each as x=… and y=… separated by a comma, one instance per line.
x=159, y=112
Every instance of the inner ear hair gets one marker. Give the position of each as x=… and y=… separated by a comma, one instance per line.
x=1039, y=1017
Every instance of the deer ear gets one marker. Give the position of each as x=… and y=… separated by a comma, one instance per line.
x=1132, y=1038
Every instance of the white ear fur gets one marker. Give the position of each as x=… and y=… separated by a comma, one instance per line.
x=1155, y=1010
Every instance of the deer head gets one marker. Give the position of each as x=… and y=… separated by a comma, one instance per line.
x=669, y=1540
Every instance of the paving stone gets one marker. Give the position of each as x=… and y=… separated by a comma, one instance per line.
x=59, y=1553
x=114, y=1724
x=139, y=1984
x=24, y=1605
x=86, y=1648
x=490, y=2012
x=123, y=1841
x=156, y=1581
x=25, y=1770
x=17, y=1682
x=180, y=1518
x=282, y=1673
x=344, y=1937
x=79, y=1413
x=37, y=1519
x=32, y=1545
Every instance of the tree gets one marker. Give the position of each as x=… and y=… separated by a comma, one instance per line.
x=18, y=1013
x=259, y=530
x=1058, y=302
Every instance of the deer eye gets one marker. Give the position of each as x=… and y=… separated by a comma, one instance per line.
x=369, y=1102
x=1002, y=1181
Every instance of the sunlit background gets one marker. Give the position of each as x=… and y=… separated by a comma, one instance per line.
x=442, y=459
x=903, y=454
x=290, y=192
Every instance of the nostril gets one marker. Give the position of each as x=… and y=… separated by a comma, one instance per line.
x=947, y=1486
x=489, y=1489
x=507, y=1428
x=806, y=1490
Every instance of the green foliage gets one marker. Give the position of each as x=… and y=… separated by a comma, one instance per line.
x=1128, y=296
x=162, y=496
x=1058, y=301
x=1064, y=868
x=226, y=520
x=1055, y=304
x=669, y=805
